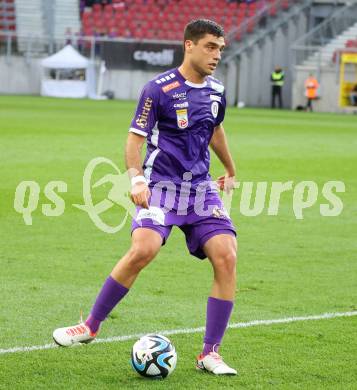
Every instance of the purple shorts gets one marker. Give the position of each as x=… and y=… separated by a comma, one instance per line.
x=199, y=219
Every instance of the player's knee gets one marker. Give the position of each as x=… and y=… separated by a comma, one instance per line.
x=140, y=256
x=226, y=262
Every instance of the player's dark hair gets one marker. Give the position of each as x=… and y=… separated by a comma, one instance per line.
x=198, y=28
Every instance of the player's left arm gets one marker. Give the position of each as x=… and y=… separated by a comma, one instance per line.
x=219, y=145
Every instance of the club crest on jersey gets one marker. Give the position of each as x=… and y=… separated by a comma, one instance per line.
x=170, y=86
x=214, y=109
x=182, y=118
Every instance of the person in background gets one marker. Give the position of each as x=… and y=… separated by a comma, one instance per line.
x=277, y=82
x=311, y=91
x=353, y=96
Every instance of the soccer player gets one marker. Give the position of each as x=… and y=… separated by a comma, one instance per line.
x=179, y=115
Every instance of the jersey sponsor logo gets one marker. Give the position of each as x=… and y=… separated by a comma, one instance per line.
x=179, y=96
x=170, y=86
x=182, y=118
x=214, y=109
x=181, y=105
x=216, y=98
x=217, y=87
x=142, y=119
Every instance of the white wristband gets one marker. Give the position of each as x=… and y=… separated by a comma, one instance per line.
x=138, y=179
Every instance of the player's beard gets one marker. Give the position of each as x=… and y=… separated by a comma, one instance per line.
x=201, y=71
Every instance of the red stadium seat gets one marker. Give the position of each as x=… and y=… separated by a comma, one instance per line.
x=108, y=8
x=97, y=7
x=161, y=34
x=121, y=23
x=273, y=8
x=251, y=25
x=251, y=12
x=88, y=31
x=144, y=24
x=253, y=6
x=166, y=19
x=241, y=13
x=232, y=6
x=150, y=34
x=351, y=43
x=285, y=4
x=165, y=26
x=111, y=24
x=171, y=18
x=238, y=36
x=171, y=35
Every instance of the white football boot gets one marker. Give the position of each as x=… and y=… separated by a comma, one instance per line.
x=214, y=363
x=76, y=334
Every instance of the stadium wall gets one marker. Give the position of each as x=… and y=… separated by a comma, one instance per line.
x=126, y=84
x=19, y=76
x=328, y=91
x=254, y=66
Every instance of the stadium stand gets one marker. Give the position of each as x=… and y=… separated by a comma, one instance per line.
x=165, y=20
x=343, y=42
x=350, y=47
x=7, y=15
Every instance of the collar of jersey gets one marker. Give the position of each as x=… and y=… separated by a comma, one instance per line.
x=190, y=83
x=194, y=85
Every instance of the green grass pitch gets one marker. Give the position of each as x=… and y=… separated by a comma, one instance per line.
x=287, y=267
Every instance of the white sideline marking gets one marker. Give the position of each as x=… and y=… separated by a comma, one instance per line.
x=191, y=330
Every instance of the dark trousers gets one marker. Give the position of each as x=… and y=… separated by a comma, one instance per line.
x=309, y=104
x=276, y=92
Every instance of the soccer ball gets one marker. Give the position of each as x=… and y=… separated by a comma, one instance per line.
x=153, y=356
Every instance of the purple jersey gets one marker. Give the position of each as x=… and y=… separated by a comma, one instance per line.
x=178, y=118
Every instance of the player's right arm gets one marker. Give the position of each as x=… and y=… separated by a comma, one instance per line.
x=140, y=192
x=146, y=116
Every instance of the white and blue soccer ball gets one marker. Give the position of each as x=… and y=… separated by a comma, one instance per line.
x=153, y=356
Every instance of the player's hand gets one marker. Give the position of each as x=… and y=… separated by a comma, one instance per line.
x=140, y=195
x=226, y=183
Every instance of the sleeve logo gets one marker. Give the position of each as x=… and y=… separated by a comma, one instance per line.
x=142, y=119
x=214, y=109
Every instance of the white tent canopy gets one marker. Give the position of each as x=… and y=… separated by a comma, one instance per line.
x=67, y=63
x=67, y=58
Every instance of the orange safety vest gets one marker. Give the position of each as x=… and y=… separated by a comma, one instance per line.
x=311, y=87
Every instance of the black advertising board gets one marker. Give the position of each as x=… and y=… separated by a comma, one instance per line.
x=141, y=55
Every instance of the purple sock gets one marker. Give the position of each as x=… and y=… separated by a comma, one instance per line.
x=218, y=313
x=110, y=294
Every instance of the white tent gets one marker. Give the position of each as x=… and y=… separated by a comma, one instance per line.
x=65, y=74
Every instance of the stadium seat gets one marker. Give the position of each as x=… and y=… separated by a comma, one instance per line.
x=165, y=19
x=285, y=4
x=273, y=8
x=251, y=25
x=97, y=7
x=351, y=43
